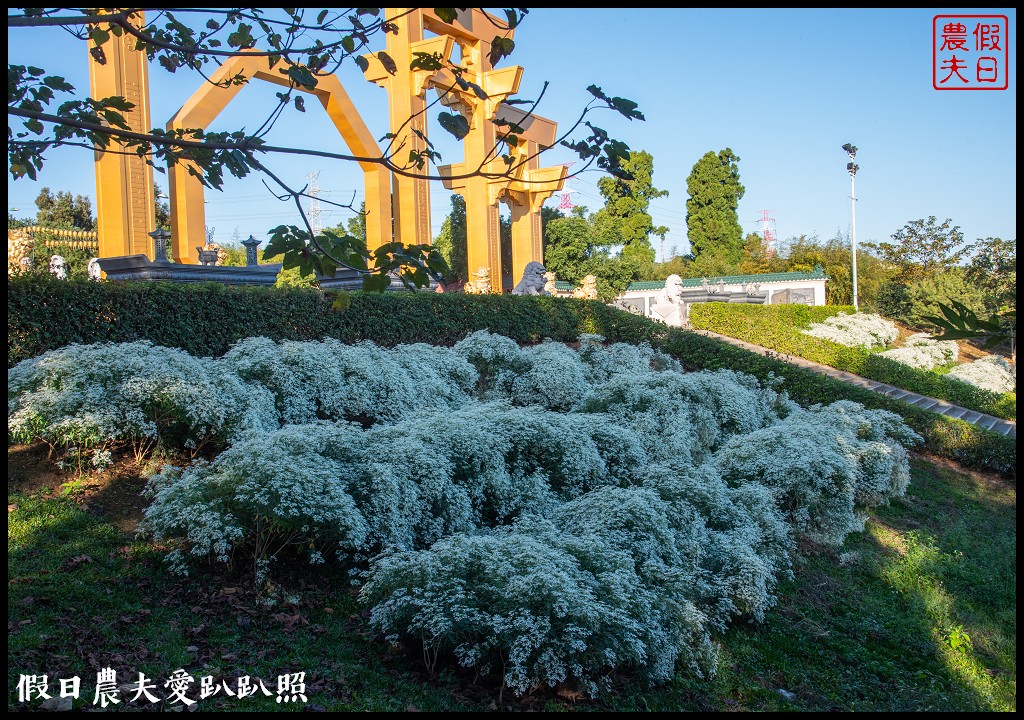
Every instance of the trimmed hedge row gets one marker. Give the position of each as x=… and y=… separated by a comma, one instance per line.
x=955, y=439
x=777, y=327
x=208, y=319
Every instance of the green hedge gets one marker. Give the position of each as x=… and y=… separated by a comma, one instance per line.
x=207, y=319
x=777, y=327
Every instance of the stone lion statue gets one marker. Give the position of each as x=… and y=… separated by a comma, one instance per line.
x=669, y=306
x=533, y=282
x=549, y=285
x=588, y=290
x=19, y=249
x=480, y=284
x=59, y=267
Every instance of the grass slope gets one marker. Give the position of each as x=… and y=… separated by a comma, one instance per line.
x=916, y=613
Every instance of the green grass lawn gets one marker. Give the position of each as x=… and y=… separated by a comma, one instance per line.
x=918, y=612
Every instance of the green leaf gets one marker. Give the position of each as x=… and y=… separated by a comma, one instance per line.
x=387, y=62
x=456, y=124
x=98, y=35
x=447, y=15
x=320, y=17
x=362, y=62
x=300, y=104
x=376, y=282
x=348, y=44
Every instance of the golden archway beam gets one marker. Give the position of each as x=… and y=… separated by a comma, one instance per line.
x=188, y=214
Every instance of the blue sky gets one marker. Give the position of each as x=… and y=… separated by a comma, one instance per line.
x=784, y=89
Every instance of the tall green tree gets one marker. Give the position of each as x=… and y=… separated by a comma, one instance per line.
x=993, y=268
x=574, y=249
x=624, y=220
x=451, y=241
x=922, y=248
x=712, y=222
x=569, y=245
x=64, y=211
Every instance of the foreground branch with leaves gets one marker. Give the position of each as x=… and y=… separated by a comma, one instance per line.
x=45, y=112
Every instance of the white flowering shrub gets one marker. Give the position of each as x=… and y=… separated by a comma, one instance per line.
x=545, y=513
x=541, y=605
x=330, y=380
x=447, y=472
x=855, y=330
x=603, y=362
x=497, y=359
x=555, y=377
x=680, y=418
x=991, y=373
x=271, y=490
x=135, y=393
x=921, y=352
x=826, y=466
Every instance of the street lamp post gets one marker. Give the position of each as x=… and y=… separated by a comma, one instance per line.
x=852, y=167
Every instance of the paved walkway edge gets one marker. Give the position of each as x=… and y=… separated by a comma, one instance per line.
x=987, y=422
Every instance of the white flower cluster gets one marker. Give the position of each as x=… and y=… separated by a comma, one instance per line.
x=921, y=352
x=991, y=373
x=549, y=513
x=856, y=330
x=129, y=393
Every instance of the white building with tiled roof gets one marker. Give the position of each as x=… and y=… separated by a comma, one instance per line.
x=787, y=288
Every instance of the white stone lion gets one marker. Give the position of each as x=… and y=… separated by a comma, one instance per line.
x=533, y=281
x=59, y=267
x=669, y=306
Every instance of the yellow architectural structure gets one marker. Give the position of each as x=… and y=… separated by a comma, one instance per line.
x=125, y=199
x=524, y=189
x=527, y=188
x=125, y=184
x=188, y=215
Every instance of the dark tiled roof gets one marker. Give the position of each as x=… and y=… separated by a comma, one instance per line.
x=816, y=274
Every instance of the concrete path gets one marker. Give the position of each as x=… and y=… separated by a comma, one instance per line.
x=988, y=422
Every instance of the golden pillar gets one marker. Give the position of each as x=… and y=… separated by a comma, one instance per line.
x=125, y=202
x=188, y=214
x=529, y=185
x=473, y=29
x=407, y=106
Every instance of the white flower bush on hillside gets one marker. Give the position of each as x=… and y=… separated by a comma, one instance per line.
x=922, y=352
x=991, y=373
x=621, y=359
x=546, y=513
x=330, y=380
x=855, y=330
x=826, y=466
x=130, y=393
